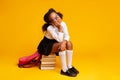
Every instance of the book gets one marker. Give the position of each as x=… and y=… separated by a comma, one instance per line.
x=48, y=62
x=48, y=59
x=49, y=56
x=47, y=68
x=47, y=65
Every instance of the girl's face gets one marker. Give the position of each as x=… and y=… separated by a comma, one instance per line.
x=54, y=17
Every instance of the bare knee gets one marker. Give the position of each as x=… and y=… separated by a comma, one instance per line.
x=55, y=47
x=69, y=45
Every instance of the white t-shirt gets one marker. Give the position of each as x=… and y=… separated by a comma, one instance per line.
x=53, y=33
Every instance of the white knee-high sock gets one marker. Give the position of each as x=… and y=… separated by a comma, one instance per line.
x=62, y=55
x=69, y=56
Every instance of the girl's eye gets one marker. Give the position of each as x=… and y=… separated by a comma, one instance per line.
x=55, y=18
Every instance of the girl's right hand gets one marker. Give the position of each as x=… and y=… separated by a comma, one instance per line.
x=58, y=25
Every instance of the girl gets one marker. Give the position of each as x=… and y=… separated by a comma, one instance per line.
x=56, y=40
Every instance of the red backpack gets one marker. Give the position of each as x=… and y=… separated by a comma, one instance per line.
x=29, y=61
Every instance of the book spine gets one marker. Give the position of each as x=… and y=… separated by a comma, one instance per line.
x=47, y=68
x=47, y=62
x=47, y=65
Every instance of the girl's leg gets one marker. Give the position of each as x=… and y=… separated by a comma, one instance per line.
x=69, y=52
x=69, y=55
x=55, y=47
x=62, y=55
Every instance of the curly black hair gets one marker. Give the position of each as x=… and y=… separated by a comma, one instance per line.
x=60, y=14
x=46, y=18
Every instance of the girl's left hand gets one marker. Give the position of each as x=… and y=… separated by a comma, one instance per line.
x=63, y=46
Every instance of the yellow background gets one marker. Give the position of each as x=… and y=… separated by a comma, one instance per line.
x=94, y=27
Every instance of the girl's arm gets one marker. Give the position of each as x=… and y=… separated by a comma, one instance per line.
x=65, y=31
x=58, y=36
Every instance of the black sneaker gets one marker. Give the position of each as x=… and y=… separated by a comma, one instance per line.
x=69, y=73
x=74, y=70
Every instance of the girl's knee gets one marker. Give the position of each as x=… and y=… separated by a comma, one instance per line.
x=69, y=45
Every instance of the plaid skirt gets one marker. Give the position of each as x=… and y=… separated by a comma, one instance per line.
x=45, y=46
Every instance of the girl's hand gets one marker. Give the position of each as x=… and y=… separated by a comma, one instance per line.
x=63, y=46
x=58, y=25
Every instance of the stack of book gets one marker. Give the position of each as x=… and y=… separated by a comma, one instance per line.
x=48, y=62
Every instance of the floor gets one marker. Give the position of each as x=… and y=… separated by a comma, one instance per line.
x=94, y=66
